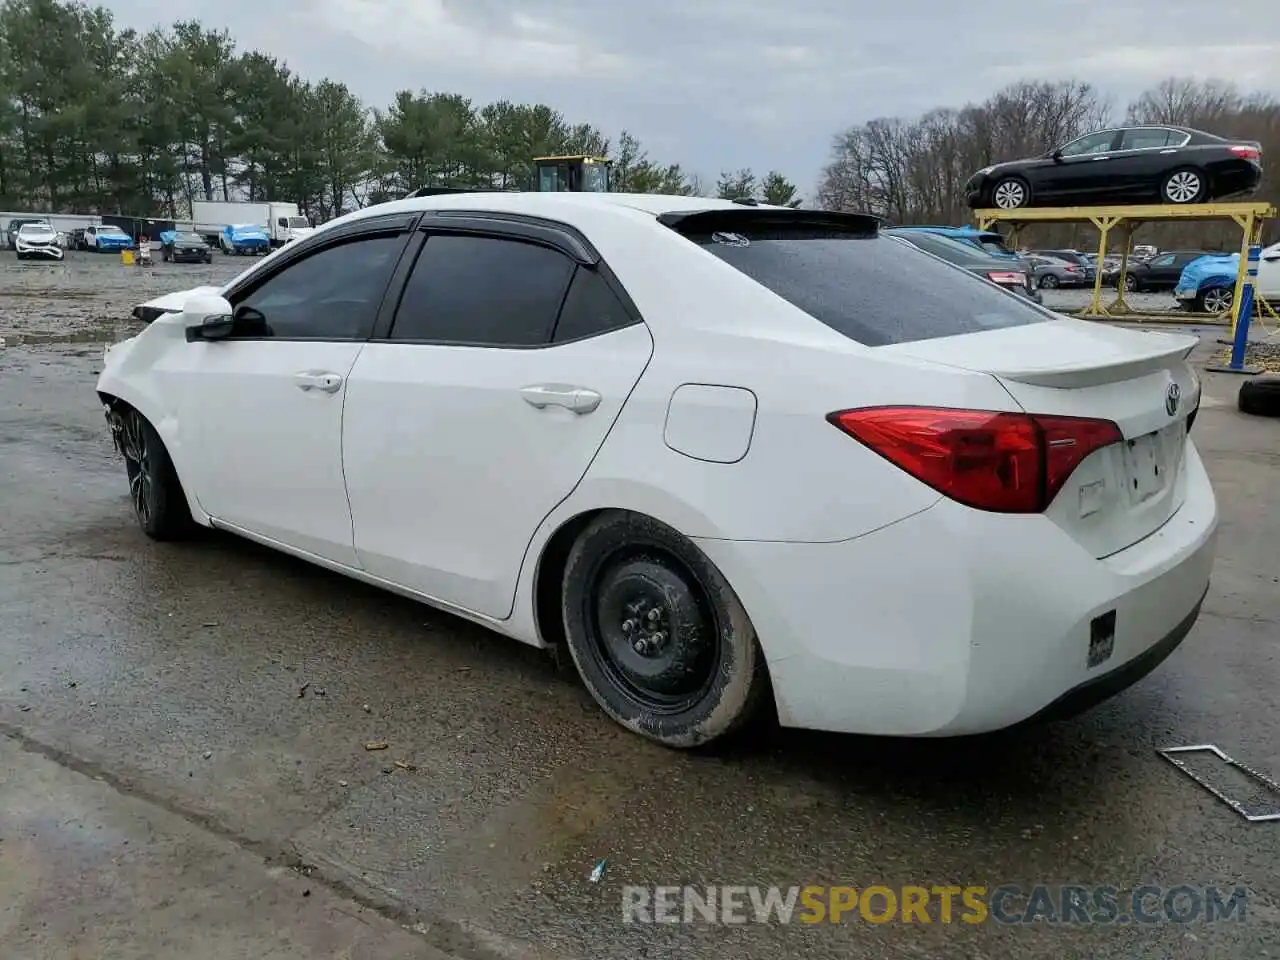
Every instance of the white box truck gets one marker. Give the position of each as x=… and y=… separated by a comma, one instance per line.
x=282, y=221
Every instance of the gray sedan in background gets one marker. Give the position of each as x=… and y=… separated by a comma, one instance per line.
x=1013, y=275
x=1050, y=272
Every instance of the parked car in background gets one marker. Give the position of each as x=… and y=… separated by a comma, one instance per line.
x=1032, y=528
x=1208, y=284
x=13, y=226
x=998, y=270
x=1161, y=272
x=106, y=238
x=988, y=241
x=1138, y=164
x=184, y=246
x=1051, y=272
x=245, y=239
x=1143, y=251
x=37, y=241
x=1073, y=256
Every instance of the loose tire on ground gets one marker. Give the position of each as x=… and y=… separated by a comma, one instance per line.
x=659, y=638
x=1260, y=397
x=158, y=501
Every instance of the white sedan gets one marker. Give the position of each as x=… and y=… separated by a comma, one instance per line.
x=718, y=451
x=37, y=241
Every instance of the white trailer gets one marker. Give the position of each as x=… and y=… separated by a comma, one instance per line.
x=282, y=221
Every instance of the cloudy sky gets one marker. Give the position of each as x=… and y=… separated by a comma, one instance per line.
x=722, y=84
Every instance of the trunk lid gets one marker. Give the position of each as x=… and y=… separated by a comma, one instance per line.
x=1139, y=380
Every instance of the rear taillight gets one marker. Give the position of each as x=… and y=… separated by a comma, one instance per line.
x=1003, y=462
x=1010, y=277
x=1073, y=268
x=1246, y=153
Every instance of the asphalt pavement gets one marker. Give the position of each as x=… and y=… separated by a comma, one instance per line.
x=187, y=729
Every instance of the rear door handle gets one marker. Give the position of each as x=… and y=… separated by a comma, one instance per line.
x=578, y=399
x=317, y=380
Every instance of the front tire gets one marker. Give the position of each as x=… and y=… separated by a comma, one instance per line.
x=1010, y=193
x=1183, y=186
x=1131, y=283
x=659, y=638
x=1048, y=282
x=158, y=501
x=1215, y=300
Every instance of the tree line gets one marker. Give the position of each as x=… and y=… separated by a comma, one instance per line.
x=97, y=119
x=914, y=170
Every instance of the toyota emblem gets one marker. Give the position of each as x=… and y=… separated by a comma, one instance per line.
x=1171, y=398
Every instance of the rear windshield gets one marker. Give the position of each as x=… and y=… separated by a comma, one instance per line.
x=874, y=290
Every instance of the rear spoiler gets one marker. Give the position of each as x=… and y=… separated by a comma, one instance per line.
x=720, y=219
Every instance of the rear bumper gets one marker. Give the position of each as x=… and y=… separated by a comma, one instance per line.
x=955, y=622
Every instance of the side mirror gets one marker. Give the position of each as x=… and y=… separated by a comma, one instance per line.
x=1057, y=156
x=207, y=318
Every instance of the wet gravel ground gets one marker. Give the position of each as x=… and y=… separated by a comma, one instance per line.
x=237, y=688
x=90, y=296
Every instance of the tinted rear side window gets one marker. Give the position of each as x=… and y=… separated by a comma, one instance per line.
x=874, y=290
x=590, y=309
x=486, y=291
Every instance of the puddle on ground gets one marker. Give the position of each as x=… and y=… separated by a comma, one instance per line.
x=110, y=334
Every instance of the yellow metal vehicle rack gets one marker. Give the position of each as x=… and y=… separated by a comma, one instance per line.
x=1250, y=217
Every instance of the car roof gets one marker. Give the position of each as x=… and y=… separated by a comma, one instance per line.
x=575, y=209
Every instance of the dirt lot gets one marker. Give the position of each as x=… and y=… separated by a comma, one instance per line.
x=186, y=772
x=89, y=296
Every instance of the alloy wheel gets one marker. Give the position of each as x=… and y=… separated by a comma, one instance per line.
x=1009, y=195
x=1182, y=187
x=137, y=459
x=1218, y=300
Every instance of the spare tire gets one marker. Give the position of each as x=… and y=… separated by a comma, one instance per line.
x=1260, y=397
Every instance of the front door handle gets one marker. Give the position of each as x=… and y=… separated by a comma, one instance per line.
x=317, y=380
x=578, y=399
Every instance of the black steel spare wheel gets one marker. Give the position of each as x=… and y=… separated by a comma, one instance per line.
x=158, y=501
x=659, y=637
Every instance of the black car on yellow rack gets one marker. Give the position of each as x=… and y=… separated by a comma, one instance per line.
x=1139, y=164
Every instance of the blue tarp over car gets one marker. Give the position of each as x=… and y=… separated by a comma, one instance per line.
x=1207, y=272
x=246, y=236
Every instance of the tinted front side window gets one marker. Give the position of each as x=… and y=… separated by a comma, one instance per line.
x=873, y=289
x=483, y=290
x=1093, y=143
x=333, y=293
